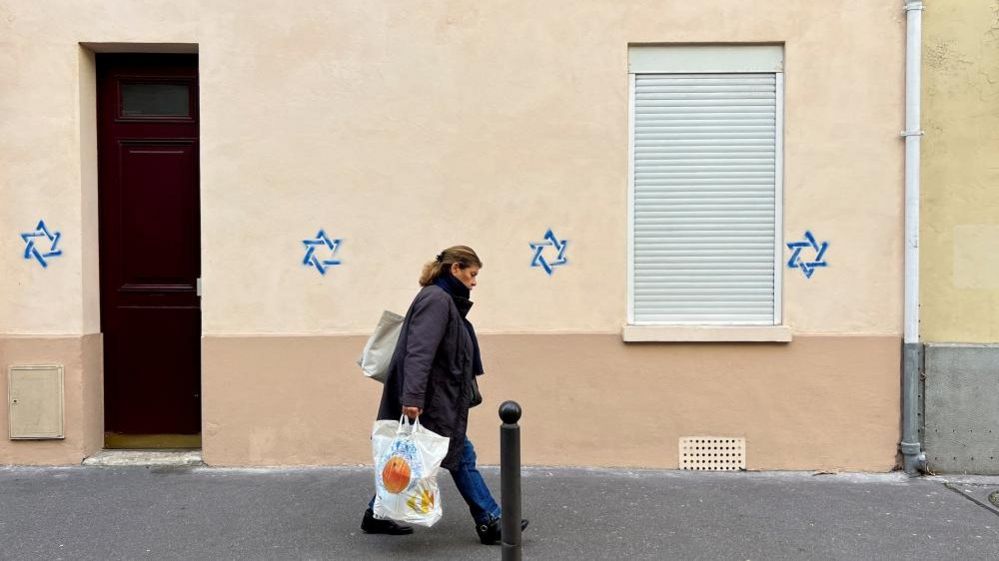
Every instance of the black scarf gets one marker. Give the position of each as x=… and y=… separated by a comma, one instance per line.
x=460, y=293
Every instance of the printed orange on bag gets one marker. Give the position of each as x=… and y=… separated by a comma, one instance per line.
x=396, y=475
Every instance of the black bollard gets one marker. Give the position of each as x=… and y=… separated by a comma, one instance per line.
x=510, y=413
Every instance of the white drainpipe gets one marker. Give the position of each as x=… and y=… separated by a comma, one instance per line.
x=914, y=460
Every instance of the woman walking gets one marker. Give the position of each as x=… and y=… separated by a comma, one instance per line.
x=432, y=376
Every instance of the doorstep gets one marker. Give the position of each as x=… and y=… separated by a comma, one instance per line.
x=176, y=458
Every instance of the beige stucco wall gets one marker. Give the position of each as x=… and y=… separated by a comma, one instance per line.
x=960, y=185
x=403, y=127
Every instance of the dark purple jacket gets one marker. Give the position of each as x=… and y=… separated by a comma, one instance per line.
x=432, y=369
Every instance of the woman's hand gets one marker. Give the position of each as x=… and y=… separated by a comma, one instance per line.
x=412, y=412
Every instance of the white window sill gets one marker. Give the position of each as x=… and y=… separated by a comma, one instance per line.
x=706, y=334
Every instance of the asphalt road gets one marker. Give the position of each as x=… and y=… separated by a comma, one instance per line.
x=576, y=514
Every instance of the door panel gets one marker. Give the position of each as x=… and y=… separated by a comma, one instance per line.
x=150, y=243
x=160, y=225
x=154, y=352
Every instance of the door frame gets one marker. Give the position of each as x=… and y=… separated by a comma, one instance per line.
x=142, y=54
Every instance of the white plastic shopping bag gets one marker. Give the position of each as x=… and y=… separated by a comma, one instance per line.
x=377, y=354
x=407, y=458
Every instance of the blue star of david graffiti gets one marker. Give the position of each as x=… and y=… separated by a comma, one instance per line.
x=807, y=267
x=313, y=260
x=539, y=248
x=31, y=248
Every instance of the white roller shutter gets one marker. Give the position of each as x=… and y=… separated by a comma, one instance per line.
x=706, y=165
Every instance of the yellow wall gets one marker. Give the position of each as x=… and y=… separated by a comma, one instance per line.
x=960, y=173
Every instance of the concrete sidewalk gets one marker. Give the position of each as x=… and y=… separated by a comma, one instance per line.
x=578, y=514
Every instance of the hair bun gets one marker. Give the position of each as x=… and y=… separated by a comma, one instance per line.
x=440, y=257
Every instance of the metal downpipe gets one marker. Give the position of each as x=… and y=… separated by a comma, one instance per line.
x=913, y=458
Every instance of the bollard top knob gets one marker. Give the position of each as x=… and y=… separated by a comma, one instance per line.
x=510, y=412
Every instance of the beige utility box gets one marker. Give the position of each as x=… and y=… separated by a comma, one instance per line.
x=35, y=402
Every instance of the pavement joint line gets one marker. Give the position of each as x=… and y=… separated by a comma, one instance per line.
x=968, y=496
x=992, y=480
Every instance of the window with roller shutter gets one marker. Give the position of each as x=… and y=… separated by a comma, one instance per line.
x=705, y=188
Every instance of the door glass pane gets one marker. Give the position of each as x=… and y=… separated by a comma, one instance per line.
x=155, y=100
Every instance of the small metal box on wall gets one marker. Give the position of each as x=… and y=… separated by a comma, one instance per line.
x=35, y=402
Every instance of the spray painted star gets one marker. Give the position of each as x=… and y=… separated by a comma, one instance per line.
x=539, y=258
x=31, y=249
x=807, y=267
x=313, y=260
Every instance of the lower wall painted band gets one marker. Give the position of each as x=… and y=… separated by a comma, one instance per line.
x=81, y=357
x=829, y=403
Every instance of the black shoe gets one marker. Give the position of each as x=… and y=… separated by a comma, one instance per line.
x=491, y=533
x=372, y=525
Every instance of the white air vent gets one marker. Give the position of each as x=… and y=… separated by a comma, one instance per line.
x=35, y=400
x=712, y=453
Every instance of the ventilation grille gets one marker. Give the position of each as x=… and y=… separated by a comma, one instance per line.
x=712, y=453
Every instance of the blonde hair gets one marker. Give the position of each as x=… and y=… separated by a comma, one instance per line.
x=463, y=255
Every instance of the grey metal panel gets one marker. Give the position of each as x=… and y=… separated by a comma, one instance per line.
x=962, y=408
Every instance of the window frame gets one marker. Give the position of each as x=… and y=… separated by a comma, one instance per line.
x=738, y=67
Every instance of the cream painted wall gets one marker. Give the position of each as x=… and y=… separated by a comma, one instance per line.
x=960, y=206
x=403, y=127
x=48, y=151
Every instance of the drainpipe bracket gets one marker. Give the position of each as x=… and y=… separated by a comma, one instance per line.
x=905, y=134
x=914, y=6
x=910, y=448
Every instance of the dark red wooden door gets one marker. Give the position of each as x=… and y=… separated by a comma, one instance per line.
x=150, y=253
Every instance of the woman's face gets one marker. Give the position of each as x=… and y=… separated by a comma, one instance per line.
x=466, y=276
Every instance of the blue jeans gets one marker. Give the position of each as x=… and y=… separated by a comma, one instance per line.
x=472, y=487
